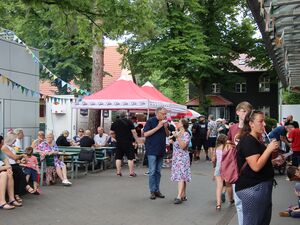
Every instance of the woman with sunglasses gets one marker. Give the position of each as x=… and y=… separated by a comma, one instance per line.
x=254, y=186
x=77, y=137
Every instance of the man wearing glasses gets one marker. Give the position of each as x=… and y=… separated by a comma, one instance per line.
x=79, y=135
x=156, y=131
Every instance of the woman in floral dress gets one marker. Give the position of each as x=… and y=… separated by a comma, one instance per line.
x=49, y=147
x=181, y=171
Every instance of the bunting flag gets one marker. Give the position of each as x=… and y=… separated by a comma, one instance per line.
x=5, y=80
x=8, y=34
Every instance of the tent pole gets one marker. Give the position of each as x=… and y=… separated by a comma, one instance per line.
x=148, y=111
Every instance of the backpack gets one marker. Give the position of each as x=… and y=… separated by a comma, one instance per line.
x=229, y=168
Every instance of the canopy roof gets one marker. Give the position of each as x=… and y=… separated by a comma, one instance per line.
x=151, y=90
x=125, y=94
x=279, y=24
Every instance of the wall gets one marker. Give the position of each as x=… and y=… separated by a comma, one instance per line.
x=291, y=110
x=18, y=110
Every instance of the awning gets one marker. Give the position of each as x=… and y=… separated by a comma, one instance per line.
x=279, y=24
x=216, y=100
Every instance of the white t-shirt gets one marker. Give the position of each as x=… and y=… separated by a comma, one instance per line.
x=18, y=143
x=100, y=140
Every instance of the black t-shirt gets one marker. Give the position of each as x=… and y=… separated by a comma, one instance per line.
x=200, y=129
x=122, y=128
x=86, y=141
x=246, y=147
x=62, y=141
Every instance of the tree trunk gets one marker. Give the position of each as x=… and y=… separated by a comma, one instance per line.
x=97, y=75
x=202, y=99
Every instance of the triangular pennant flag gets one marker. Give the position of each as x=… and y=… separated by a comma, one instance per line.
x=32, y=93
x=63, y=83
x=26, y=91
x=22, y=88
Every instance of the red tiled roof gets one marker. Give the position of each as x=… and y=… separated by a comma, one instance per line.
x=112, y=65
x=46, y=88
x=216, y=100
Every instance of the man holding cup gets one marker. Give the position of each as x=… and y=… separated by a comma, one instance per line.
x=156, y=130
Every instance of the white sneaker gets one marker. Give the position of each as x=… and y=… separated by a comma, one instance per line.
x=66, y=183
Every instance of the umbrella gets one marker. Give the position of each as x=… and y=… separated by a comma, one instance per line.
x=188, y=114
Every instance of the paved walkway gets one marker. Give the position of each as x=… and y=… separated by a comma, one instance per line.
x=103, y=198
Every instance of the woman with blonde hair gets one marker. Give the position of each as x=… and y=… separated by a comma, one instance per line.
x=7, y=151
x=62, y=139
x=49, y=147
x=39, y=140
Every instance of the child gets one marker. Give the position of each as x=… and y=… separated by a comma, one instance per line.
x=293, y=174
x=217, y=158
x=31, y=170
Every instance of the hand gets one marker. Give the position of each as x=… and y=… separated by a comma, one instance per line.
x=161, y=123
x=278, y=161
x=273, y=145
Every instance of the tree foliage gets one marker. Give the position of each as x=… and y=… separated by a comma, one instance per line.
x=290, y=97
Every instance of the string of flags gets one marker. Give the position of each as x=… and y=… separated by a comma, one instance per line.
x=5, y=80
x=8, y=34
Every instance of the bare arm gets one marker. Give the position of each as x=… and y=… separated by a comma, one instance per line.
x=10, y=154
x=257, y=161
x=136, y=138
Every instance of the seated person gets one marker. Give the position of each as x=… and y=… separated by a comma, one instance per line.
x=293, y=174
x=62, y=139
x=31, y=170
x=49, y=147
x=100, y=138
x=86, y=140
x=77, y=137
x=39, y=140
x=111, y=142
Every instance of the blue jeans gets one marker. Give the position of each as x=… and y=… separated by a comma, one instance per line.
x=238, y=206
x=154, y=164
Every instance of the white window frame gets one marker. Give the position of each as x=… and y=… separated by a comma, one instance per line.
x=239, y=87
x=215, y=88
x=265, y=109
x=264, y=84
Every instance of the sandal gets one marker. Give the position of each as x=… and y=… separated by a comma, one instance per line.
x=18, y=199
x=119, y=174
x=218, y=207
x=15, y=203
x=29, y=190
x=7, y=206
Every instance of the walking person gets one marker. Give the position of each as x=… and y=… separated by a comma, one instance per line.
x=255, y=183
x=233, y=136
x=212, y=133
x=181, y=171
x=156, y=131
x=125, y=132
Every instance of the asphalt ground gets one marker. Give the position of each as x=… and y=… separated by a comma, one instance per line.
x=104, y=198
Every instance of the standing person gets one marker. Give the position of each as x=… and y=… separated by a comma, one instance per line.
x=199, y=131
x=125, y=133
x=290, y=119
x=156, y=130
x=220, y=146
x=100, y=138
x=181, y=171
x=212, y=133
x=294, y=137
x=255, y=183
x=233, y=136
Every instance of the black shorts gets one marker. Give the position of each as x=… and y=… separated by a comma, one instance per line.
x=125, y=149
x=198, y=143
x=211, y=142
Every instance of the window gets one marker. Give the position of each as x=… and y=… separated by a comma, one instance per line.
x=42, y=110
x=264, y=84
x=265, y=110
x=240, y=87
x=215, y=88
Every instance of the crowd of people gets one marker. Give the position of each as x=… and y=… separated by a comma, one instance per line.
x=257, y=153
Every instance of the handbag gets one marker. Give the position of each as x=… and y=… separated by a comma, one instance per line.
x=86, y=155
x=229, y=168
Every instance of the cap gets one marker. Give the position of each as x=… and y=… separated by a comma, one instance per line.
x=202, y=116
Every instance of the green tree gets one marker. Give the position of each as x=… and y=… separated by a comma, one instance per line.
x=290, y=97
x=194, y=40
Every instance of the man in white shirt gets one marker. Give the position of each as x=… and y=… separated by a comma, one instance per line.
x=100, y=138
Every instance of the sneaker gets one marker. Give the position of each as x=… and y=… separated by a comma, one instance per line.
x=147, y=173
x=159, y=194
x=284, y=214
x=66, y=183
x=177, y=201
x=184, y=199
x=152, y=196
x=207, y=158
x=223, y=197
x=132, y=175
